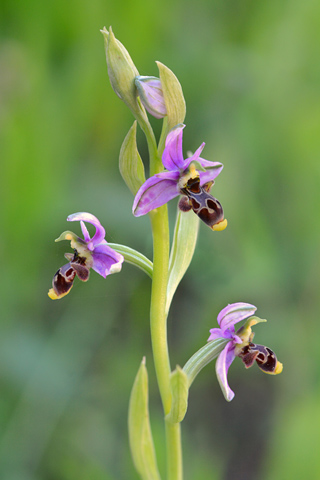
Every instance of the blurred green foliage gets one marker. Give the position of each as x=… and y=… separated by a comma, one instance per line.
x=250, y=74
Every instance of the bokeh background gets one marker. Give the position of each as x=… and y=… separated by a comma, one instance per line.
x=250, y=73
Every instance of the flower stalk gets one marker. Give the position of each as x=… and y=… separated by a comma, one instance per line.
x=202, y=357
x=174, y=451
x=158, y=325
x=158, y=318
x=134, y=258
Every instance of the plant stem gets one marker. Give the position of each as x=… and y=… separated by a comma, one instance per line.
x=174, y=451
x=158, y=315
x=151, y=141
x=158, y=319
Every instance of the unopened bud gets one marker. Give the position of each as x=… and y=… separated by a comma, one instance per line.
x=121, y=69
x=151, y=95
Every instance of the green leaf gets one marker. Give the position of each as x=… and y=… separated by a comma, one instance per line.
x=173, y=96
x=183, y=245
x=130, y=163
x=174, y=101
x=140, y=436
x=179, y=385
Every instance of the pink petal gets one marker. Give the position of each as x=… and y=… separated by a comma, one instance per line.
x=213, y=169
x=106, y=260
x=223, y=363
x=88, y=217
x=234, y=313
x=195, y=156
x=85, y=232
x=155, y=192
x=215, y=333
x=172, y=157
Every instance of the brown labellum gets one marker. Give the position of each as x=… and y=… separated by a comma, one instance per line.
x=81, y=271
x=264, y=357
x=208, y=208
x=63, y=280
x=184, y=204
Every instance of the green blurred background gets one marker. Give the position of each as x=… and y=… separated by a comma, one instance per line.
x=250, y=73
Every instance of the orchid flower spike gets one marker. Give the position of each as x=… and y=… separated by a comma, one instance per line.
x=88, y=253
x=240, y=344
x=192, y=177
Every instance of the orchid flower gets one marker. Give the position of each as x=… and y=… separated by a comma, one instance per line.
x=88, y=253
x=191, y=177
x=240, y=344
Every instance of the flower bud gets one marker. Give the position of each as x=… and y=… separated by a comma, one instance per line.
x=151, y=95
x=121, y=69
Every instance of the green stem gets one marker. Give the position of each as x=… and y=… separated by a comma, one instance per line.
x=174, y=452
x=158, y=318
x=151, y=140
x=158, y=315
x=163, y=136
